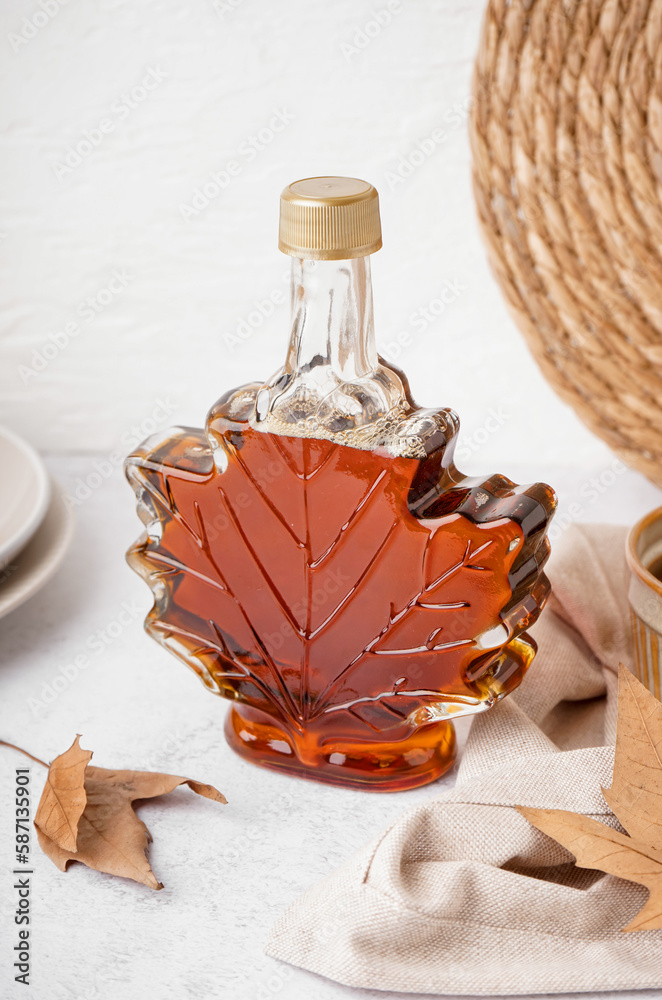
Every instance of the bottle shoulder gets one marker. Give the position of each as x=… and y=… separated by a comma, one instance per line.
x=402, y=429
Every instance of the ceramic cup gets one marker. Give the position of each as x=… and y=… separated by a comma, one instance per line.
x=644, y=550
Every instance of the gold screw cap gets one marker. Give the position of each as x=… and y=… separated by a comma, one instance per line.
x=329, y=218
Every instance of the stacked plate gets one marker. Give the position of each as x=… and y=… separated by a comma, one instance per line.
x=35, y=524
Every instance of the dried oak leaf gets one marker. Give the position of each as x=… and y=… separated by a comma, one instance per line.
x=107, y=834
x=635, y=798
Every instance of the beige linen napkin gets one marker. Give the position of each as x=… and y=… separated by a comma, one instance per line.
x=462, y=895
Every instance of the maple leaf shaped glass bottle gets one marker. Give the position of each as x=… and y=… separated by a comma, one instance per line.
x=315, y=555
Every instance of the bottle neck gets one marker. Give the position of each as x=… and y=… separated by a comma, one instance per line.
x=332, y=382
x=332, y=320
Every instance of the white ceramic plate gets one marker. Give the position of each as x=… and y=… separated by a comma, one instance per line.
x=25, y=491
x=39, y=559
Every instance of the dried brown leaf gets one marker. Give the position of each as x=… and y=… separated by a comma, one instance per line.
x=110, y=837
x=635, y=797
x=63, y=798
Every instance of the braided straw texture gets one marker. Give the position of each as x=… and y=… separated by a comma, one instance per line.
x=566, y=134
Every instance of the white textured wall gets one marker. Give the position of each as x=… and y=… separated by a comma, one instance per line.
x=124, y=285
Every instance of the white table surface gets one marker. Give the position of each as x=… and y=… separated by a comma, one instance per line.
x=229, y=871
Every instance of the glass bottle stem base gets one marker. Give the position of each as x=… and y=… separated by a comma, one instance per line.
x=386, y=767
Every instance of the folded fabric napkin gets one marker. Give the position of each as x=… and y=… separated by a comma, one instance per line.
x=462, y=895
